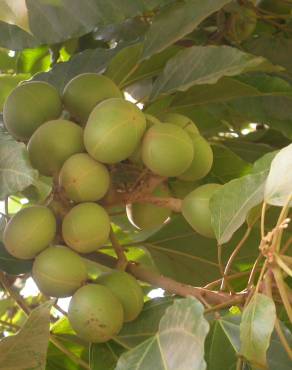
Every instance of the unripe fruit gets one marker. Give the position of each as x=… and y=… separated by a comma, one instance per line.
x=53, y=143
x=58, y=271
x=85, y=91
x=167, y=150
x=83, y=179
x=241, y=24
x=86, y=227
x=126, y=288
x=202, y=162
x=151, y=120
x=148, y=216
x=29, y=231
x=180, y=120
x=195, y=209
x=114, y=130
x=95, y=313
x=30, y=105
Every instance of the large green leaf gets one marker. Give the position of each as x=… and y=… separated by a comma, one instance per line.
x=230, y=204
x=16, y=172
x=105, y=355
x=182, y=330
x=199, y=65
x=256, y=328
x=278, y=188
x=14, y=38
x=12, y=265
x=174, y=22
x=27, y=349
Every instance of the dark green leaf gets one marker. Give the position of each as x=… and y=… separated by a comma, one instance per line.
x=14, y=38
x=105, y=355
x=12, y=265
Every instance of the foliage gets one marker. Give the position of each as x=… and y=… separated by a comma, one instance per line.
x=227, y=300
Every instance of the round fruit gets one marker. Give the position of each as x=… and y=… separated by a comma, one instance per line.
x=148, y=216
x=83, y=179
x=86, y=227
x=151, y=120
x=202, y=162
x=53, y=143
x=114, y=130
x=95, y=313
x=242, y=24
x=58, y=271
x=180, y=120
x=126, y=288
x=85, y=91
x=195, y=209
x=30, y=105
x=167, y=150
x=29, y=231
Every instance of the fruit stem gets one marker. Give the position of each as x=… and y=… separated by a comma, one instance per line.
x=122, y=259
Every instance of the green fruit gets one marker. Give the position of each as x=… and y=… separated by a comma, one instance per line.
x=195, y=209
x=126, y=288
x=148, y=216
x=242, y=24
x=58, y=271
x=29, y=231
x=202, y=162
x=180, y=120
x=53, y=143
x=167, y=150
x=30, y=105
x=83, y=179
x=114, y=130
x=86, y=227
x=85, y=91
x=95, y=313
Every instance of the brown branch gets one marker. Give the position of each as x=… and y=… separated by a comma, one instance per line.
x=9, y=325
x=168, y=284
x=122, y=259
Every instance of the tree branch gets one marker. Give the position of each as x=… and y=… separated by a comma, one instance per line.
x=122, y=259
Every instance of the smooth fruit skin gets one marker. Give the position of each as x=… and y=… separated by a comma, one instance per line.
x=29, y=106
x=202, y=162
x=85, y=91
x=180, y=120
x=128, y=291
x=86, y=227
x=29, y=231
x=148, y=216
x=53, y=143
x=167, y=150
x=195, y=209
x=95, y=313
x=58, y=271
x=83, y=179
x=114, y=130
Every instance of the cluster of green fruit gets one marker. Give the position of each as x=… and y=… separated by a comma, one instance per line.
x=103, y=129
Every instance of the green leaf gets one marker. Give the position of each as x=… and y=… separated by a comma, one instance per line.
x=278, y=187
x=231, y=203
x=199, y=65
x=105, y=355
x=14, y=38
x=182, y=330
x=7, y=84
x=12, y=265
x=14, y=12
x=34, y=60
x=256, y=328
x=176, y=21
x=27, y=349
x=16, y=172
x=94, y=60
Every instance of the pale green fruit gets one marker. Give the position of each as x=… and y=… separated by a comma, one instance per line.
x=53, y=143
x=195, y=209
x=180, y=120
x=113, y=131
x=95, y=313
x=85, y=91
x=126, y=288
x=167, y=150
x=202, y=162
x=86, y=227
x=29, y=106
x=83, y=179
x=58, y=271
x=148, y=216
x=29, y=231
